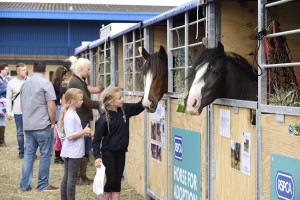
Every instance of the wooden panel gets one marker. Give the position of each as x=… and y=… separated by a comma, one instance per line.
x=194, y=123
x=120, y=73
x=276, y=140
x=135, y=173
x=238, y=28
x=160, y=37
x=158, y=170
x=230, y=183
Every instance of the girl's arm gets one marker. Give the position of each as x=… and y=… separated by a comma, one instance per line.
x=85, y=132
x=100, y=129
x=132, y=109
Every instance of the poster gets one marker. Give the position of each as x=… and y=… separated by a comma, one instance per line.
x=235, y=155
x=224, y=123
x=246, y=149
x=158, y=135
x=186, y=164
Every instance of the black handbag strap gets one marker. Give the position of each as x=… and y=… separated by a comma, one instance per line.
x=16, y=96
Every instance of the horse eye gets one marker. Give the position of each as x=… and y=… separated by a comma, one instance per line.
x=216, y=72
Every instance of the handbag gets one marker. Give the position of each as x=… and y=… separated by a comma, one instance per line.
x=12, y=101
x=57, y=113
x=2, y=106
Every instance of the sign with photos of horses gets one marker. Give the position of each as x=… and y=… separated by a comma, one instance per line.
x=186, y=164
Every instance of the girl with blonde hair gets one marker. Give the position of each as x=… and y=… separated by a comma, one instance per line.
x=112, y=131
x=73, y=146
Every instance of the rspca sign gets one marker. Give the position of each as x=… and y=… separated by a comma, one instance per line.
x=285, y=188
x=178, y=147
x=284, y=178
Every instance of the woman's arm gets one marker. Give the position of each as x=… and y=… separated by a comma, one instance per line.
x=100, y=129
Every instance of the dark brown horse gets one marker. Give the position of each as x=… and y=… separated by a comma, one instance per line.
x=156, y=78
x=216, y=74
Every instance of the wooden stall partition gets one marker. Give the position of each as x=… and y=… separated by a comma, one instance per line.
x=157, y=168
x=120, y=72
x=159, y=37
x=239, y=28
x=195, y=123
x=277, y=140
x=135, y=173
x=230, y=182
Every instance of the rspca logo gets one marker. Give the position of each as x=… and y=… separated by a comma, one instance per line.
x=285, y=188
x=178, y=148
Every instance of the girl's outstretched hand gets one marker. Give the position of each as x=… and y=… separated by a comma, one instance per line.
x=98, y=162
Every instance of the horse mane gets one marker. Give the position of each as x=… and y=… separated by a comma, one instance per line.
x=157, y=64
x=243, y=63
x=211, y=56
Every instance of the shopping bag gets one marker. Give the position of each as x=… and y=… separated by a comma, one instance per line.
x=98, y=184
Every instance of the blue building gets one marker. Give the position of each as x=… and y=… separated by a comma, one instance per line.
x=51, y=31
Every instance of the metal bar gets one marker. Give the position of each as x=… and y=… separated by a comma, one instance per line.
x=281, y=65
x=195, y=44
x=286, y=110
x=283, y=33
x=277, y=3
x=177, y=27
x=238, y=103
x=133, y=62
x=197, y=21
x=169, y=53
x=186, y=49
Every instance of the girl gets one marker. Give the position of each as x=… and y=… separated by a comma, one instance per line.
x=112, y=130
x=73, y=145
x=60, y=76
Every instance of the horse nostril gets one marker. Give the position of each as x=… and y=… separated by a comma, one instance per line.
x=195, y=103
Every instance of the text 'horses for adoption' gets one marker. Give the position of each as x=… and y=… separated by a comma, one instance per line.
x=218, y=74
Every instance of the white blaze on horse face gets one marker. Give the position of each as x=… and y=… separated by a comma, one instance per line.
x=146, y=102
x=195, y=91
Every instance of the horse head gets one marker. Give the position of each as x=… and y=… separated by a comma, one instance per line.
x=155, y=71
x=216, y=74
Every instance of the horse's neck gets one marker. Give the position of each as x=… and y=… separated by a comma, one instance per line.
x=240, y=87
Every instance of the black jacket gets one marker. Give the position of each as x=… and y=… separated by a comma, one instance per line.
x=116, y=140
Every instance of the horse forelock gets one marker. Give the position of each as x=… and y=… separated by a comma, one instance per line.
x=157, y=65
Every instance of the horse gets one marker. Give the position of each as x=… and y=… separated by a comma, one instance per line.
x=219, y=74
x=155, y=71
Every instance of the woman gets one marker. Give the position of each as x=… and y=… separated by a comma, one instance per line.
x=60, y=76
x=3, y=86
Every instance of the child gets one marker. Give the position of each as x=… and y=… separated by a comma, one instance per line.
x=73, y=145
x=112, y=130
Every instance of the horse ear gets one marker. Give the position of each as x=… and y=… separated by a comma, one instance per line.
x=162, y=51
x=145, y=53
x=220, y=47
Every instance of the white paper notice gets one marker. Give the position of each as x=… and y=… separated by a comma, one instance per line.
x=225, y=123
x=246, y=149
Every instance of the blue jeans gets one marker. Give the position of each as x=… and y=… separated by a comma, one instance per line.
x=20, y=134
x=44, y=140
x=87, y=141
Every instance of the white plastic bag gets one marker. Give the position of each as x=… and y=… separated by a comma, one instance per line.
x=98, y=184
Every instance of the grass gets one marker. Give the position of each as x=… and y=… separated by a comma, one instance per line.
x=11, y=168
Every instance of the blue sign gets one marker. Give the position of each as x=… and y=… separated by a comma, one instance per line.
x=285, y=185
x=186, y=165
x=284, y=178
x=178, y=148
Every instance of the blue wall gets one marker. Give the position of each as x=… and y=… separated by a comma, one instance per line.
x=45, y=37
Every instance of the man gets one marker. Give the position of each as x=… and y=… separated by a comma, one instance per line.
x=38, y=106
x=81, y=70
x=13, y=107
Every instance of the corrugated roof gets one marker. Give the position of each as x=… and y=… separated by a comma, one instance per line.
x=81, y=7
